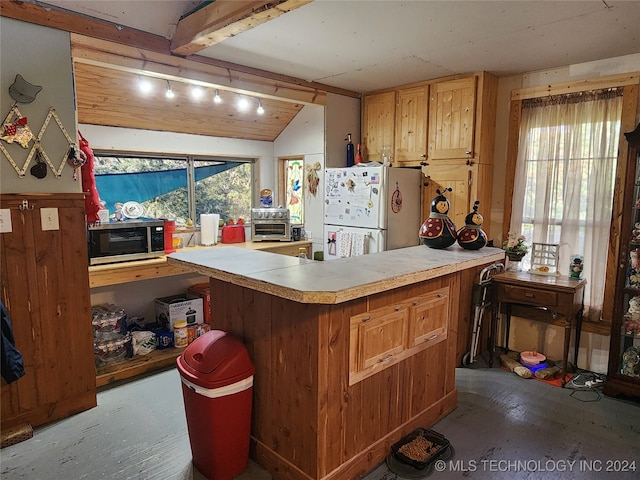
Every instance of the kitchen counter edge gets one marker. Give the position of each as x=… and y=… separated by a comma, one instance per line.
x=306, y=281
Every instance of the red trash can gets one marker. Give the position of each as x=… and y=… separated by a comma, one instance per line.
x=217, y=387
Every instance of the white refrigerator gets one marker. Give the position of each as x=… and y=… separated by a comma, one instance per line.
x=370, y=209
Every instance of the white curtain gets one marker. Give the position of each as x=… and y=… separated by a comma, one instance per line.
x=565, y=172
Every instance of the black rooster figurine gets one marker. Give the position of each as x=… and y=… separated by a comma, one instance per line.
x=471, y=236
x=438, y=231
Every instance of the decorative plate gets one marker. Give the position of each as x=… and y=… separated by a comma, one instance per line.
x=132, y=210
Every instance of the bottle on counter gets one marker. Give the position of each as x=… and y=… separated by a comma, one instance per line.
x=350, y=152
x=359, y=158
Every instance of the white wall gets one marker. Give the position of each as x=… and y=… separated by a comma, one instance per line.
x=526, y=335
x=43, y=57
x=341, y=118
x=305, y=136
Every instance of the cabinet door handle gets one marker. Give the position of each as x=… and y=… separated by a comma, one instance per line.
x=441, y=295
x=432, y=337
x=399, y=309
x=385, y=359
x=366, y=319
x=529, y=294
x=415, y=303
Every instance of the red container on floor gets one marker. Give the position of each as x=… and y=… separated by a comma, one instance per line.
x=217, y=387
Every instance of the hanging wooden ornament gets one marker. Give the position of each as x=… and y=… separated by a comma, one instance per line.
x=396, y=200
x=312, y=178
x=39, y=170
x=22, y=135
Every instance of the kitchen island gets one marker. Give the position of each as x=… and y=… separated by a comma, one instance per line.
x=350, y=354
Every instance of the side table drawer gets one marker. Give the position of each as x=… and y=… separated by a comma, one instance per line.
x=529, y=296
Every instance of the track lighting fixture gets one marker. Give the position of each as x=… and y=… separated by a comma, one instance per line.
x=169, y=93
x=244, y=103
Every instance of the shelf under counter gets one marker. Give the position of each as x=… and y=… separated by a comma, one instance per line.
x=126, y=272
x=155, y=268
x=137, y=365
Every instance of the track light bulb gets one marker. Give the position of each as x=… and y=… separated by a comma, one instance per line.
x=197, y=92
x=260, y=110
x=217, y=98
x=243, y=104
x=144, y=85
x=169, y=93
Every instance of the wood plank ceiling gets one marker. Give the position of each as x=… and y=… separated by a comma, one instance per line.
x=111, y=96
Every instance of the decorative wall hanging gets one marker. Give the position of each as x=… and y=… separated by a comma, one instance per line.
x=16, y=130
x=15, y=117
x=92, y=203
x=22, y=91
x=396, y=200
x=37, y=149
x=312, y=178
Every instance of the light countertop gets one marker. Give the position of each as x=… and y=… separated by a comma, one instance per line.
x=334, y=281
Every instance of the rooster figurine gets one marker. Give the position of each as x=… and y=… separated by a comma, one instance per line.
x=438, y=231
x=471, y=236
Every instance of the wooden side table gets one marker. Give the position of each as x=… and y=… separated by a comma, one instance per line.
x=558, y=295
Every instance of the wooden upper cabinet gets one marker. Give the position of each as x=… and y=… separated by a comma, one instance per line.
x=411, y=126
x=468, y=183
x=378, y=121
x=452, y=110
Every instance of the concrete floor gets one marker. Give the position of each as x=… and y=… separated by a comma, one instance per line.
x=504, y=427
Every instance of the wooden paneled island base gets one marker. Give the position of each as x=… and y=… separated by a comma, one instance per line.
x=350, y=354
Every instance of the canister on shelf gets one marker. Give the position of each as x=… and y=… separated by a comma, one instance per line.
x=192, y=333
x=180, y=333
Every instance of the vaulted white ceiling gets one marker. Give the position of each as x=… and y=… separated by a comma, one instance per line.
x=365, y=45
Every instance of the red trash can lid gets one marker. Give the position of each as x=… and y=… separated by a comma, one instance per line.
x=215, y=359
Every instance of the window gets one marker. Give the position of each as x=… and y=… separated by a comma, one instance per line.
x=292, y=187
x=564, y=180
x=180, y=188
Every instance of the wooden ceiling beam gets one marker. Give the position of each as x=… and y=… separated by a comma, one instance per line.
x=69, y=22
x=224, y=19
x=143, y=62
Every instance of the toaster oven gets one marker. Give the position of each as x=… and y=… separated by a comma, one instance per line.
x=270, y=224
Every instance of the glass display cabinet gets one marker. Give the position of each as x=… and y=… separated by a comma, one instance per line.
x=623, y=376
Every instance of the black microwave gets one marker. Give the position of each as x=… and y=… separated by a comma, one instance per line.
x=121, y=241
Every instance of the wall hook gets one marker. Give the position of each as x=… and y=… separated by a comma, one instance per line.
x=25, y=205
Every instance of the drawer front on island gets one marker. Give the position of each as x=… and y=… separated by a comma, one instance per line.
x=378, y=336
x=429, y=319
x=382, y=337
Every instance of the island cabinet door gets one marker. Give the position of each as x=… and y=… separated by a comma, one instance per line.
x=429, y=318
x=379, y=335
